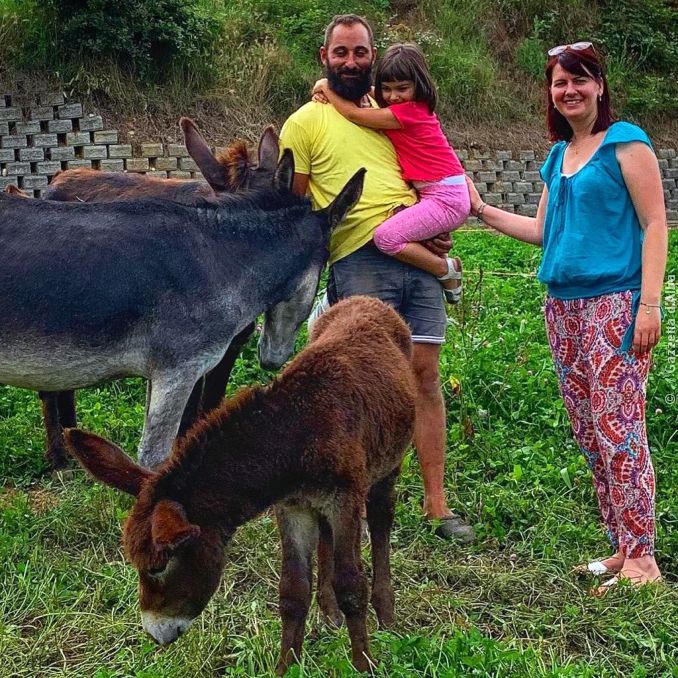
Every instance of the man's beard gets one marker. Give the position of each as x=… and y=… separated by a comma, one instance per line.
x=352, y=89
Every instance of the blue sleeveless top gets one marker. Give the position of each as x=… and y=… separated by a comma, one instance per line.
x=592, y=236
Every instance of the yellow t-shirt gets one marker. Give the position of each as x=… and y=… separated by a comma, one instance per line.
x=330, y=149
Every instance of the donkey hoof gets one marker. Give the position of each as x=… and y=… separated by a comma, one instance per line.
x=57, y=458
x=282, y=667
x=364, y=663
x=333, y=618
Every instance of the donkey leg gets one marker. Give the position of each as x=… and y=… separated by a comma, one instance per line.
x=193, y=408
x=168, y=395
x=380, y=515
x=327, y=600
x=350, y=583
x=298, y=535
x=56, y=454
x=217, y=379
x=66, y=404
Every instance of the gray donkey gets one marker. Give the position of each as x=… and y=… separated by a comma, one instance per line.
x=94, y=291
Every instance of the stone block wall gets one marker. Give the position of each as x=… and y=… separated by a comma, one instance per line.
x=41, y=135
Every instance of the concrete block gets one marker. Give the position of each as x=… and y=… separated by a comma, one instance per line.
x=515, y=198
x=490, y=177
x=4, y=127
x=41, y=113
x=30, y=127
x=526, y=155
x=52, y=98
x=180, y=175
x=670, y=173
x=45, y=140
x=49, y=167
x=7, y=155
x=94, y=152
x=672, y=216
x=502, y=186
x=152, y=150
x=120, y=151
x=531, y=176
x=510, y=175
x=493, y=165
x=165, y=164
x=473, y=165
x=481, y=155
x=503, y=155
x=59, y=126
x=462, y=154
x=668, y=184
x=109, y=136
x=69, y=111
x=77, y=164
x=187, y=165
x=61, y=153
x=92, y=123
x=78, y=139
x=10, y=114
x=18, y=168
x=35, y=181
x=137, y=165
x=492, y=198
x=13, y=141
x=8, y=181
x=31, y=154
x=523, y=186
x=663, y=164
x=177, y=151
x=666, y=153
x=515, y=165
x=112, y=166
x=528, y=210
x=533, y=198
x=481, y=187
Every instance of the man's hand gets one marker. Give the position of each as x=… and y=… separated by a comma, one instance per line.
x=440, y=245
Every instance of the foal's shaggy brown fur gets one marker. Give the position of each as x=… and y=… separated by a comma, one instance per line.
x=321, y=441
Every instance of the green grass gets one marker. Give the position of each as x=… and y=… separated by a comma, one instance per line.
x=506, y=606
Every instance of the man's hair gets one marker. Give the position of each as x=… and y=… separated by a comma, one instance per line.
x=347, y=20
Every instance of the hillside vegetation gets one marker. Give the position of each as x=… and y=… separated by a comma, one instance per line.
x=254, y=60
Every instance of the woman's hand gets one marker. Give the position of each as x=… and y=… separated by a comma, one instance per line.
x=320, y=85
x=648, y=329
x=476, y=200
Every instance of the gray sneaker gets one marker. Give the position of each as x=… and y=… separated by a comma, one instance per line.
x=455, y=528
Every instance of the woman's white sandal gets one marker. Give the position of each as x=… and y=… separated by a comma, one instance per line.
x=454, y=272
x=595, y=568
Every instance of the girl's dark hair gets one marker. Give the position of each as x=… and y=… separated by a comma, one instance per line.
x=586, y=62
x=406, y=61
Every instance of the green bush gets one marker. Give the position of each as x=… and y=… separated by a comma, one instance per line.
x=142, y=36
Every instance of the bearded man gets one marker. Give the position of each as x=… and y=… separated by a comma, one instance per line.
x=328, y=149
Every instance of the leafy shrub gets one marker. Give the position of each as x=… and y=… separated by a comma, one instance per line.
x=144, y=36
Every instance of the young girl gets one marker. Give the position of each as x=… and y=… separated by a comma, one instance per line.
x=405, y=91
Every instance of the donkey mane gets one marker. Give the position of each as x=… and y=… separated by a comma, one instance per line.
x=236, y=160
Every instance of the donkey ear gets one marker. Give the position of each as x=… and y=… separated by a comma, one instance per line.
x=284, y=174
x=214, y=172
x=347, y=198
x=169, y=525
x=106, y=461
x=269, y=149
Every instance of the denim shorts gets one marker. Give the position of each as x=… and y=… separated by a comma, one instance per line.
x=415, y=294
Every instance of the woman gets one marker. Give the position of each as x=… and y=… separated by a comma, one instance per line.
x=602, y=224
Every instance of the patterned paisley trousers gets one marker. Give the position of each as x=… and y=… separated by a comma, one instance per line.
x=604, y=393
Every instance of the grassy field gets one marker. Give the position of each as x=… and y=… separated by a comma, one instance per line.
x=506, y=606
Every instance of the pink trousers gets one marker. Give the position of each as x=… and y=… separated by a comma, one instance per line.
x=604, y=393
x=441, y=208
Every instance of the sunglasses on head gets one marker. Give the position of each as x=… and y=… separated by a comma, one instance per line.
x=577, y=46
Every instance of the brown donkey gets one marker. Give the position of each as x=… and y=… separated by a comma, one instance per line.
x=233, y=169
x=321, y=441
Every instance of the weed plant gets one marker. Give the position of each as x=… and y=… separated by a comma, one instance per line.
x=506, y=606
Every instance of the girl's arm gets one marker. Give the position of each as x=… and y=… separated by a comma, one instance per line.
x=640, y=169
x=527, y=229
x=375, y=118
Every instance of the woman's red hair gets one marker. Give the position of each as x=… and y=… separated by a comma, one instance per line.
x=578, y=62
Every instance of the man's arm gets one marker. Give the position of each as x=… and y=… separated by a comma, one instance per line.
x=300, y=184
